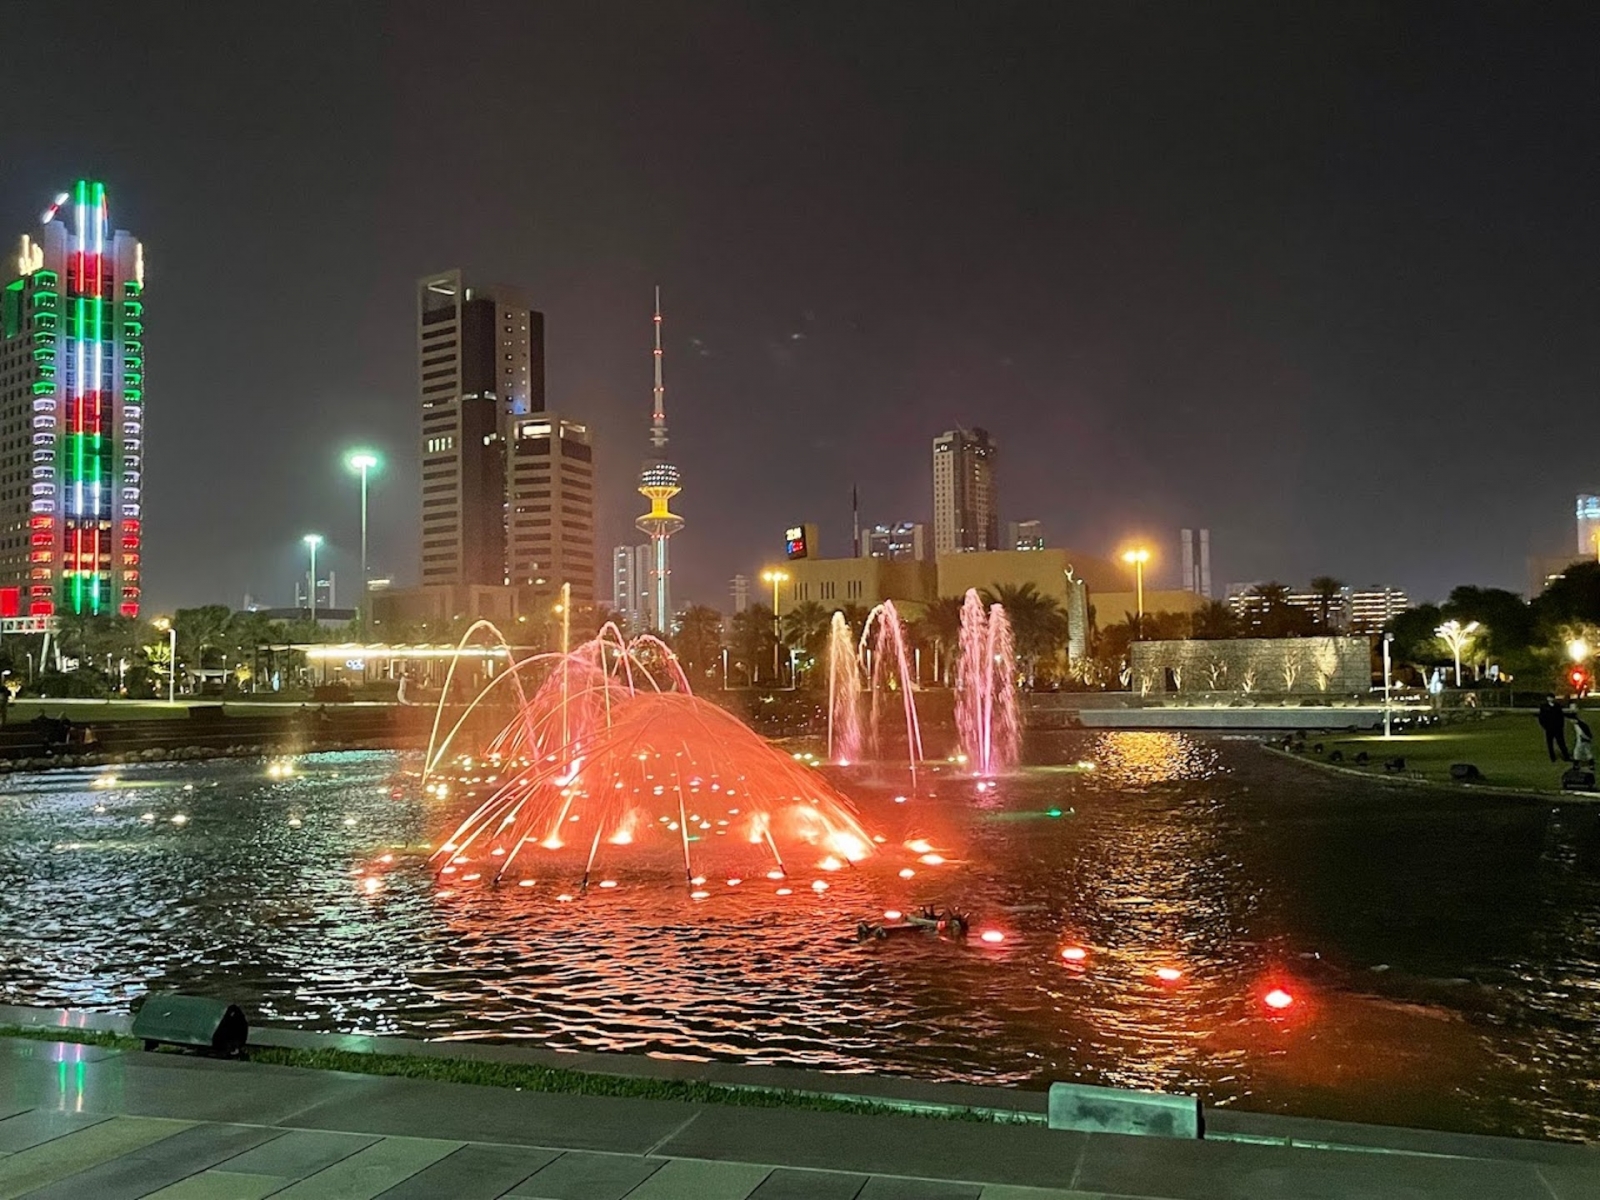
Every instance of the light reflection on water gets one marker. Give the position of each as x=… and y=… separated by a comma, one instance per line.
x=1442, y=950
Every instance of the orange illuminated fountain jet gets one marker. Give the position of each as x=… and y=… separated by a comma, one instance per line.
x=613, y=750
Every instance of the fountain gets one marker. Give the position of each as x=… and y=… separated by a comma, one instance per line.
x=986, y=693
x=844, y=694
x=880, y=664
x=613, y=749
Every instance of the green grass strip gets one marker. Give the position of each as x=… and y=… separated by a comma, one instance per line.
x=532, y=1078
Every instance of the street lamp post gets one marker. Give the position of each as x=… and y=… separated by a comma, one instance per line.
x=1387, y=638
x=361, y=461
x=312, y=541
x=1137, y=559
x=775, y=578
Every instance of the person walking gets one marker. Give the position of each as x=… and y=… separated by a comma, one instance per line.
x=1554, y=723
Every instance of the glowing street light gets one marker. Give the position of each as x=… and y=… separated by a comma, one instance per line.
x=165, y=625
x=312, y=541
x=1136, y=558
x=1456, y=635
x=1578, y=649
x=361, y=462
x=775, y=577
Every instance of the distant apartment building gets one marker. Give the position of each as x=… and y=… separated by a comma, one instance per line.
x=1349, y=610
x=901, y=542
x=1024, y=535
x=739, y=593
x=1372, y=607
x=1589, y=526
x=630, y=585
x=507, y=487
x=965, y=511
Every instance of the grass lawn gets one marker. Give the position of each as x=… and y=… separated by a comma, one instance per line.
x=1507, y=747
x=533, y=1078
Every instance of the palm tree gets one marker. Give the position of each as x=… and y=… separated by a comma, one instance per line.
x=1215, y=621
x=1326, y=589
x=805, y=626
x=751, y=640
x=698, y=642
x=939, y=627
x=1038, y=624
x=1279, y=618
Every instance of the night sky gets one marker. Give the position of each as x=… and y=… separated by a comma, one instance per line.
x=1322, y=279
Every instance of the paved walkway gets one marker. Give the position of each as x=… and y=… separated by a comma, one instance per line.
x=87, y=1123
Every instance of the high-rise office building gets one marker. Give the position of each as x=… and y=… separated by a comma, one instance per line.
x=507, y=487
x=1371, y=608
x=72, y=414
x=739, y=593
x=901, y=542
x=630, y=585
x=1196, y=556
x=965, y=515
x=1589, y=526
x=549, y=508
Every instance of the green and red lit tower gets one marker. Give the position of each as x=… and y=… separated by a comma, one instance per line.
x=72, y=351
x=659, y=483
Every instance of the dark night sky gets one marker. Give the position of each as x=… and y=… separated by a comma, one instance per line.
x=1321, y=279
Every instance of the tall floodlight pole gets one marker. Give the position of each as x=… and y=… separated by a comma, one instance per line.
x=362, y=461
x=775, y=578
x=1387, y=639
x=659, y=482
x=1137, y=559
x=312, y=541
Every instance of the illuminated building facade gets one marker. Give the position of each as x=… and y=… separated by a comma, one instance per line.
x=659, y=482
x=72, y=414
x=630, y=585
x=901, y=542
x=507, y=486
x=965, y=516
x=1589, y=526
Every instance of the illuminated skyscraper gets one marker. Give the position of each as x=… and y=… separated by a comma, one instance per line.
x=965, y=516
x=659, y=483
x=72, y=412
x=1589, y=526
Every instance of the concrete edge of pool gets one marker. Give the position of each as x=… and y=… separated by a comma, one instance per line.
x=1562, y=1169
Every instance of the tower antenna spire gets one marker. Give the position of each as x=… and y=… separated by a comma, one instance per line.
x=658, y=420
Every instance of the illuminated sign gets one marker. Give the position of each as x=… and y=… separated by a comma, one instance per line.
x=794, y=542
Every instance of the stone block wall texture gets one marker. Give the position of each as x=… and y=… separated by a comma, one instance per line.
x=1307, y=666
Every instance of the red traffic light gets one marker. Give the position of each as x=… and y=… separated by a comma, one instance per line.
x=1579, y=678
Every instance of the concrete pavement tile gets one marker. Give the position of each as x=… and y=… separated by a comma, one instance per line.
x=881, y=1187
x=581, y=1175
x=1007, y=1191
x=39, y=1125
x=473, y=1173
x=422, y=1108
x=911, y=1147
x=142, y=1171
x=28, y=1170
x=221, y=1185
x=1198, y=1170
x=695, y=1179
x=786, y=1183
x=370, y=1172
x=1571, y=1183
x=298, y=1153
x=55, y=1052
x=201, y=1089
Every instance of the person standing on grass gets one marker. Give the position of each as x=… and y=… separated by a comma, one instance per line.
x=1554, y=723
x=1582, y=742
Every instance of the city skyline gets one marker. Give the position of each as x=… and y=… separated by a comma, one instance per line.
x=1157, y=345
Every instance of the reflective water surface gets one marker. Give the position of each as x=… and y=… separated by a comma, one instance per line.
x=1441, y=951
